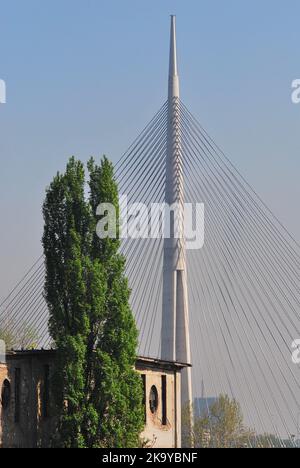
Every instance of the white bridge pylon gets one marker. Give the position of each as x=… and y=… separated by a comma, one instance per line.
x=175, y=335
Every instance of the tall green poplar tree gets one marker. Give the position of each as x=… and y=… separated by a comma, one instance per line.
x=98, y=392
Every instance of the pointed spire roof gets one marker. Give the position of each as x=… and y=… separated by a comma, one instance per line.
x=173, y=70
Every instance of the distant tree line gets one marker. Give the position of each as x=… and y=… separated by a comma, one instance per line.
x=222, y=426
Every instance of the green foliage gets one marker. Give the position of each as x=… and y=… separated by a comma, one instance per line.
x=97, y=390
x=228, y=430
x=18, y=335
x=223, y=427
x=267, y=441
x=188, y=426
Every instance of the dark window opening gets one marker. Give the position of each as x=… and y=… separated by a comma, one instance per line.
x=153, y=400
x=164, y=399
x=17, y=395
x=46, y=392
x=144, y=396
x=5, y=394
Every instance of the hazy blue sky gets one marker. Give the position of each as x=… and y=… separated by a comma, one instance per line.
x=84, y=76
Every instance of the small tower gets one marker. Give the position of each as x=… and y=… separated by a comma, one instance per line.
x=175, y=336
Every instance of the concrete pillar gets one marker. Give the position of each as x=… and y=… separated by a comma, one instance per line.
x=175, y=318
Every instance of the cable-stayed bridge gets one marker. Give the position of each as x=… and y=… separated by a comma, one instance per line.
x=243, y=285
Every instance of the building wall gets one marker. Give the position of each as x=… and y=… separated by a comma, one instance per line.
x=3, y=376
x=159, y=433
x=34, y=427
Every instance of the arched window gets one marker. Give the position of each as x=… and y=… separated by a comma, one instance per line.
x=153, y=400
x=5, y=394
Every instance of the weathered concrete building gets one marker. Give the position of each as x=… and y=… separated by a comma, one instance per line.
x=27, y=417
